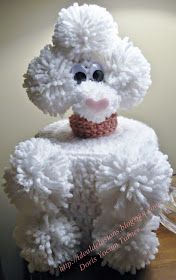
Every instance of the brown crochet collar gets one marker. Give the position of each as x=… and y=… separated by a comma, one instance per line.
x=83, y=128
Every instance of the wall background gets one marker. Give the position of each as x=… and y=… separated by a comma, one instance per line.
x=26, y=26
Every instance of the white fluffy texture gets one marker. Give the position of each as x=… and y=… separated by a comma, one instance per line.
x=39, y=169
x=129, y=134
x=133, y=179
x=88, y=90
x=128, y=72
x=83, y=170
x=84, y=28
x=84, y=34
x=49, y=82
x=18, y=196
x=98, y=183
x=134, y=253
x=47, y=243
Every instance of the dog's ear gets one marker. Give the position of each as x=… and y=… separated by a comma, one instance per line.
x=128, y=72
x=49, y=83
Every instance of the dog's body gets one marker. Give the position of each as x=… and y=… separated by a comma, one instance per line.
x=70, y=191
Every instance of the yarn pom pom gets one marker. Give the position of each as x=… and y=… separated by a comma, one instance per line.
x=49, y=83
x=85, y=28
x=39, y=173
x=139, y=178
x=47, y=243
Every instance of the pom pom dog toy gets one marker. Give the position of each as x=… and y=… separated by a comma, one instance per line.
x=78, y=179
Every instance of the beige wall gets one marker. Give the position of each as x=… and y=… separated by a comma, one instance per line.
x=27, y=26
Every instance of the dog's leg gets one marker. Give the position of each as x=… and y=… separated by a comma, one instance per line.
x=47, y=243
x=38, y=183
x=131, y=188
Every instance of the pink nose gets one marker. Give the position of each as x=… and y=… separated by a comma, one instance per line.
x=99, y=105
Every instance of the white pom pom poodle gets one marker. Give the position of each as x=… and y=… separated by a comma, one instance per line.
x=71, y=191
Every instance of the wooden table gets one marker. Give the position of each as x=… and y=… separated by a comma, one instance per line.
x=164, y=266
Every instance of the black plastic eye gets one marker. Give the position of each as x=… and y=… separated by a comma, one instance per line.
x=79, y=73
x=79, y=77
x=98, y=75
x=96, y=72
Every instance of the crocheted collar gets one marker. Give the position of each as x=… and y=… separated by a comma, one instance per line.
x=83, y=128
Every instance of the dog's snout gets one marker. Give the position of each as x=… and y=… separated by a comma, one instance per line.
x=95, y=102
x=97, y=106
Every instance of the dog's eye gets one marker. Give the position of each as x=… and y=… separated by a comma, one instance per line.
x=96, y=72
x=98, y=75
x=79, y=77
x=79, y=73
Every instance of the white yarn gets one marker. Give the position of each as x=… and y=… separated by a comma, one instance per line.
x=136, y=252
x=137, y=244
x=48, y=242
x=40, y=170
x=18, y=196
x=128, y=72
x=133, y=178
x=83, y=212
x=86, y=90
x=82, y=175
x=85, y=28
x=71, y=190
x=129, y=134
x=49, y=82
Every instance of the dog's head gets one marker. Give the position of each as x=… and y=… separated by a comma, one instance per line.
x=88, y=67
